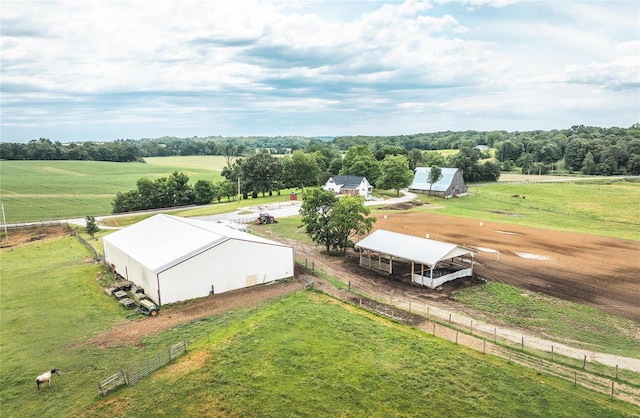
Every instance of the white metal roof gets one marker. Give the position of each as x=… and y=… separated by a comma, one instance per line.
x=416, y=249
x=421, y=179
x=163, y=240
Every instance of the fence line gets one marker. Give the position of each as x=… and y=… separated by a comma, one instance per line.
x=96, y=255
x=150, y=366
x=488, y=343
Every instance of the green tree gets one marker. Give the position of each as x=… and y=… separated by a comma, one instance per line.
x=526, y=162
x=316, y=214
x=205, y=192
x=415, y=158
x=360, y=161
x=349, y=218
x=262, y=173
x=91, y=226
x=300, y=170
x=332, y=222
x=396, y=173
x=226, y=188
x=589, y=165
x=435, y=174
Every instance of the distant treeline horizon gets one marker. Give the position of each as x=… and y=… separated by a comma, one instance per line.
x=594, y=150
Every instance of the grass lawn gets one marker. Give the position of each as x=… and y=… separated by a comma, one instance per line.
x=309, y=355
x=302, y=355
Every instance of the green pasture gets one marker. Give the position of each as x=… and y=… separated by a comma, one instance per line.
x=302, y=355
x=45, y=190
x=610, y=209
x=571, y=323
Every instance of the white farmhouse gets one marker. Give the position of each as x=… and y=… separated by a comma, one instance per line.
x=354, y=185
x=175, y=259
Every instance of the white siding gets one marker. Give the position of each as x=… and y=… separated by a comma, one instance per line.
x=231, y=265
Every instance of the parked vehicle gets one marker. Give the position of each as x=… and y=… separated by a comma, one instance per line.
x=265, y=218
x=148, y=308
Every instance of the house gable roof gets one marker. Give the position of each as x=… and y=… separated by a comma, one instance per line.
x=416, y=249
x=420, y=180
x=162, y=241
x=348, y=182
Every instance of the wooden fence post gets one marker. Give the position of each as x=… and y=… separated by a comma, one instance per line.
x=552, y=353
x=584, y=362
x=612, y=383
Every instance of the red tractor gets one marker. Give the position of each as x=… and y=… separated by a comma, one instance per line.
x=265, y=218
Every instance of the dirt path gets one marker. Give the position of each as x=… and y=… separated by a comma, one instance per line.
x=132, y=332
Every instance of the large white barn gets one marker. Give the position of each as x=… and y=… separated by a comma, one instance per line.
x=175, y=259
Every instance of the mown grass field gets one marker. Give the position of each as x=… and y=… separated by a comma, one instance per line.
x=45, y=190
x=302, y=355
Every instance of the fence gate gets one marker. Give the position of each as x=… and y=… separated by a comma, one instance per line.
x=146, y=369
x=110, y=383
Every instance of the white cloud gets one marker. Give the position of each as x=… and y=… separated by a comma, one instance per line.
x=202, y=65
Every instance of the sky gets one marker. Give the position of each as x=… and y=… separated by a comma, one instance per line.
x=101, y=70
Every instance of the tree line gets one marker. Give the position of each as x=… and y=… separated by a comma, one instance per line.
x=591, y=150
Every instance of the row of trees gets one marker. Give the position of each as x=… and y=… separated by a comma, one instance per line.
x=172, y=191
x=591, y=150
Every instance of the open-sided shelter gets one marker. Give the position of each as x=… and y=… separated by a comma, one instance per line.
x=432, y=262
x=450, y=184
x=175, y=259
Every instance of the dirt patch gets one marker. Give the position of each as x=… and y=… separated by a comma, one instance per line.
x=20, y=236
x=132, y=333
x=405, y=205
x=597, y=271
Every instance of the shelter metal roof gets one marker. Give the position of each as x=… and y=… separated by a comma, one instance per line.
x=163, y=241
x=416, y=249
x=421, y=179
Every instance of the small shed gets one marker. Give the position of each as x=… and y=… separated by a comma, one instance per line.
x=175, y=259
x=449, y=185
x=432, y=262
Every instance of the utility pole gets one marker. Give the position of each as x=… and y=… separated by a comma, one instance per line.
x=238, y=188
x=4, y=221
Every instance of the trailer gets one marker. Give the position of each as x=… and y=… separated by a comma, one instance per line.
x=148, y=308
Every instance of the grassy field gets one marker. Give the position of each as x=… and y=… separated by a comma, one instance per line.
x=44, y=190
x=609, y=209
x=586, y=327
x=303, y=355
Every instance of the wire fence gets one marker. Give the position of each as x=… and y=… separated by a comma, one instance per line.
x=96, y=254
x=123, y=378
x=619, y=382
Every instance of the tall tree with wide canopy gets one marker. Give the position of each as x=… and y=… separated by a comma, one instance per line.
x=262, y=173
x=360, y=161
x=396, y=173
x=332, y=222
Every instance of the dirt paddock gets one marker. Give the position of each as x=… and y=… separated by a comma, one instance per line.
x=600, y=272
